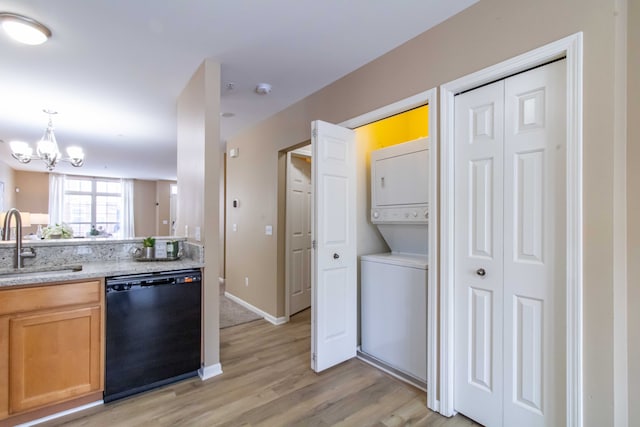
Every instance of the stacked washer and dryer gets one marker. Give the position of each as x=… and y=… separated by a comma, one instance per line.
x=394, y=284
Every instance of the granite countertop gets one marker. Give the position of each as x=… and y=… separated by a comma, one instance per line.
x=90, y=270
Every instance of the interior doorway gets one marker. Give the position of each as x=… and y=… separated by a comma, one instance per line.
x=298, y=230
x=368, y=237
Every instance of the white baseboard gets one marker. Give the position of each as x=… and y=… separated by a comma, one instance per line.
x=269, y=318
x=211, y=371
x=60, y=414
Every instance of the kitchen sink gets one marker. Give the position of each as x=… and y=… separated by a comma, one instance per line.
x=40, y=271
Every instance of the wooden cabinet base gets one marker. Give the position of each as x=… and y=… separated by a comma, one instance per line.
x=51, y=349
x=50, y=410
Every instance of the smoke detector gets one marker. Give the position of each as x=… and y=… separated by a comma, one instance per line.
x=263, y=88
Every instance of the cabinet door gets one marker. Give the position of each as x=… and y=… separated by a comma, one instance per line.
x=54, y=356
x=4, y=367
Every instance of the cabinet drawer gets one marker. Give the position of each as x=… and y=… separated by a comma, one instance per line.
x=13, y=301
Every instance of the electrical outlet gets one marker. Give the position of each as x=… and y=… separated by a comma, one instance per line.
x=234, y=227
x=246, y=281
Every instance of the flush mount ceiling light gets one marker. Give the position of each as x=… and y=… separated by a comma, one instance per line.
x=47, y=149
x=24, y=30
x=263, y=89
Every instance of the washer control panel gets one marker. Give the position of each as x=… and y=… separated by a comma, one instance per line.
x=404, y=215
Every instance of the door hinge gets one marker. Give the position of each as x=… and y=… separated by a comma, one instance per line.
x=313, y=244
x=314, y=132
x=313, y=357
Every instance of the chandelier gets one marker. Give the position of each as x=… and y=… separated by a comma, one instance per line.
x=47, y=149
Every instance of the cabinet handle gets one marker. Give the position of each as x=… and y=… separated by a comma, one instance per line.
x=480, y=272
x=336, y=256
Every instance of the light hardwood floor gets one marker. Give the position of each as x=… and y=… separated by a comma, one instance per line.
x=267, y=381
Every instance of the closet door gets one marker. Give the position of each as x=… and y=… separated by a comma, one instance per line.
x=478, y=226
x=510, y=245
x=534, y=247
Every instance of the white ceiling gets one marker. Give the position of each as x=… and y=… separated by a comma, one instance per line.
x=113, y=69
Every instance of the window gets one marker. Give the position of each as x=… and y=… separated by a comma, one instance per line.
x=92, y=206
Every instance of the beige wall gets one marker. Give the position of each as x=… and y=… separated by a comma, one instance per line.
x=33, y=195
x=222, y=213
x=34, y=191
x=633, y=208
x=199, y=163
x=163, y=211
x=144, y=207
x=487, y=33
x=7, y=177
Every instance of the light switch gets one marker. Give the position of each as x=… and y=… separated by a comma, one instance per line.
x=268, y=230
x=197, y=234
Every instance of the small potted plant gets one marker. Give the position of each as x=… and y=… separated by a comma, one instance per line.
x=149, y=244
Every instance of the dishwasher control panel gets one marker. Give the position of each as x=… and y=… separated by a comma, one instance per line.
x=177, y=277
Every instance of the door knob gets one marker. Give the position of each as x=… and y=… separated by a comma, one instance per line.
x=336, y=256
x=480, y=272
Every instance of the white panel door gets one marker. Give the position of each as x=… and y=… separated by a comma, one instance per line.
x=479, y=252
x=334, y=263
x=298, y=232
x=510, y=245
x=534, y=246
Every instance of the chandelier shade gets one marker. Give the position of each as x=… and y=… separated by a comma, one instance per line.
x=47, y=149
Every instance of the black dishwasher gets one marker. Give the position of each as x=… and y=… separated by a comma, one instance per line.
x=153, y=329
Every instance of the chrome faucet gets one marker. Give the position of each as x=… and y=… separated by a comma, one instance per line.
x=20, y=254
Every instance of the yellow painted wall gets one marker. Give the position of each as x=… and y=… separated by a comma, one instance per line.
x=407, y=126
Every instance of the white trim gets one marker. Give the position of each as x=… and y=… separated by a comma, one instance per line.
x=571, y=47
x=299, y=152
x=210, y=371
x=287, y=240
x=574, y=231
x=268, y=317
x=434, y=270
x=427, y=97
x=397, y=107
x=60, y=414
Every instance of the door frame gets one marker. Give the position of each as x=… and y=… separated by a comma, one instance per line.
x=571, y=48
x=287, y=244
x=430, y=98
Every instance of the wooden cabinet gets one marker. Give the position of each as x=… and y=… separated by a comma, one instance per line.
x=51, y=345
